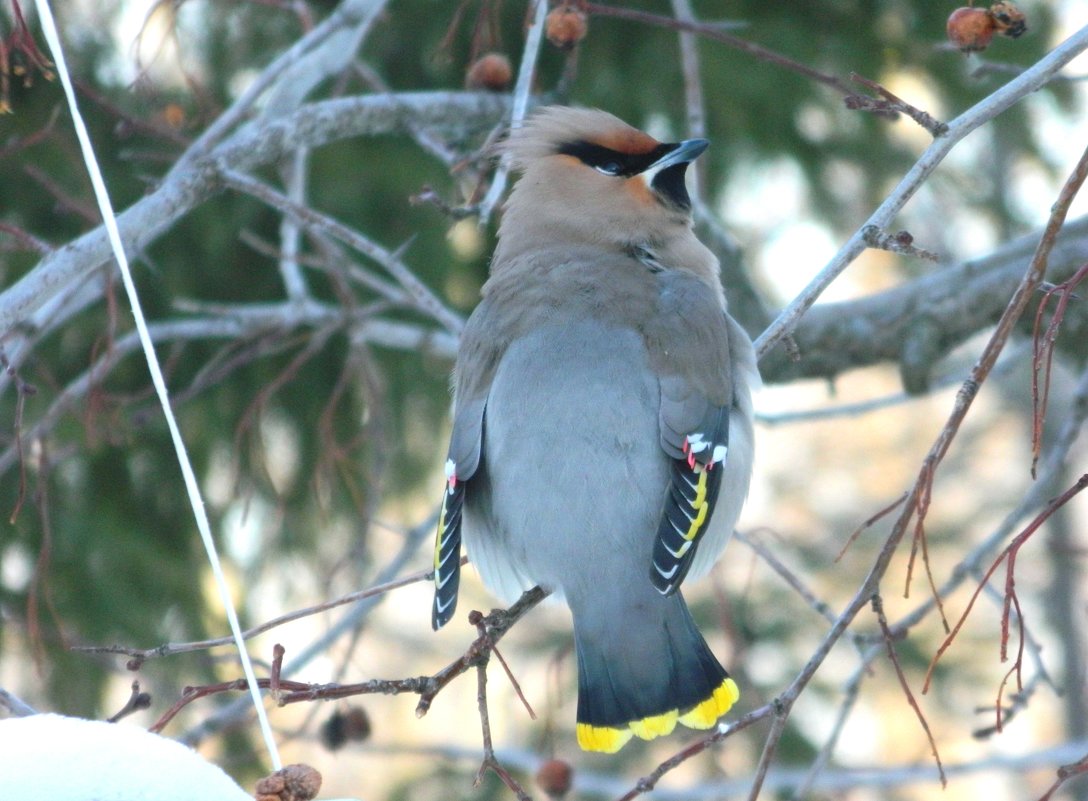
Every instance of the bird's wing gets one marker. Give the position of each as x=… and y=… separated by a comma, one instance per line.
x=689, y=343
x=466, y=443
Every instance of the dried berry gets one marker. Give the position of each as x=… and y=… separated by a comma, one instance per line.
x=290, y=783
x=351, y=724
x=566, y=25
x=970, y=29
x=1008, y=19
x=490, y=71
x=554, y=777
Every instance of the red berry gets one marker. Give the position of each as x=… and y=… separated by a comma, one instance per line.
x=554, y=777
x=490, y=71
x=970, y=29
x=566, y=25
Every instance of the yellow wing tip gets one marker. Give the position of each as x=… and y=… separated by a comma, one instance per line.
x=610, y=739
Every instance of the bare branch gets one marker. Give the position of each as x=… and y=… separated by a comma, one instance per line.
x=520, y=107
x=948, y=306
x=983, y=111
x=258, y=143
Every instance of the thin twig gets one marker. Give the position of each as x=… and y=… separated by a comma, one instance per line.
x=1008, y=555
x=716, y=33
x=882, y=620
x=693, y=89
x=238, y=710
x=1043, y=355
x=424, y=300
x=522, y=89
x=869, y=523
x=850, y=698
x=492, y=626
x=820, y=607
x=894, y=104
x=979, y=114
x=1013, y=311
x=141, y=655
x=1037, y=495
x=1065, y=773
x=647, y=783
x=137, y=700
x=490, y=761
x=15, y=705
x=901, y=242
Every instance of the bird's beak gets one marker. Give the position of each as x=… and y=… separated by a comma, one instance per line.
x=682, y=153
x=666, y=175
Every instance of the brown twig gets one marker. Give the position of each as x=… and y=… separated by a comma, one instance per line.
x=25, y=239
x=278, y=652
x=1008, y=555
x=23, y=389
x=247, y=425
x=650, y=780
x=427, y=687
x=1042, y=344
x=141, y=655
x=129, y=123
x=969, y=390
x=887, y=510
x=190, y=694
x=1065, y=773
x=715, y=33
x=490, y=761
x=136, y=701
x=882, y=620
x=901, y=242
x=82, y=209
x=808, y=596
x=892, y=104
x=16, y=144
x=495, y=626
x=513, y=681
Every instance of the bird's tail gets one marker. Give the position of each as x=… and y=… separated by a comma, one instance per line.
x=642, y=676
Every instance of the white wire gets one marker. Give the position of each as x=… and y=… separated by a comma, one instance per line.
x=50, y=29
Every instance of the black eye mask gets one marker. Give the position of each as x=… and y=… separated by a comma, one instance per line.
x=613, y=162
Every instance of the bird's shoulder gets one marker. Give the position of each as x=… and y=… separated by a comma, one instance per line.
x=678, y=315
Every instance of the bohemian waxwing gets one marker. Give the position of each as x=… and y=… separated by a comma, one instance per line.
x=602, y=432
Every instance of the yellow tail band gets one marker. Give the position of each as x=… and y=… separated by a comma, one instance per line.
x=706, y=714
x=610, y=739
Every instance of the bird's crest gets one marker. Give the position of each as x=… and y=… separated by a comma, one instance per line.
x=549, y=130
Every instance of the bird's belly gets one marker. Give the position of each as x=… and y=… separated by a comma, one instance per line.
x=573, y=472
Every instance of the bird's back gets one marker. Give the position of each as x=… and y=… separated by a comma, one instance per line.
x=568, y=483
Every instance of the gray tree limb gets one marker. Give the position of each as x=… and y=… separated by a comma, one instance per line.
x=256, y=144
x=916, y=323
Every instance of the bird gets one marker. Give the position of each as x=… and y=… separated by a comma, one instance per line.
x=602, y=437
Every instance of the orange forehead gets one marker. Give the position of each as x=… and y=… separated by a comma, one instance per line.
x=627, y=141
